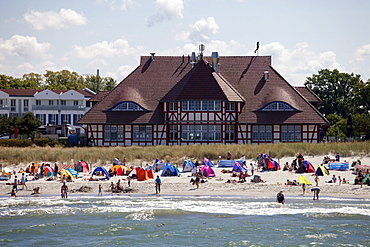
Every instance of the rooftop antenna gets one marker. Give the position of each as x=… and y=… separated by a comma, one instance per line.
x=202, y=47
x=97, y=72
x=257, y=48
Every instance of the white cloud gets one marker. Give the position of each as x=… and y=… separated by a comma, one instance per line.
x=65, y=18
x=167, y=10
x=201, y=31
x=296, y=64
x=362, y=53
x=105, y=49
x=24, y=46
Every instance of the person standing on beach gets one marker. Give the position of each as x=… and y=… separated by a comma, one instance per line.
x=100, y=191
x=252, y=168
x=158, y=185
x=23, y=181
x=303, y=189
x=280, y=197
x=64, y=190
x=15, y=183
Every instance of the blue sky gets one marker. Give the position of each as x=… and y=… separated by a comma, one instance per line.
x=302, y=37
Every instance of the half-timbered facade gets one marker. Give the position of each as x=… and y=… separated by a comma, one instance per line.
x=185, y=100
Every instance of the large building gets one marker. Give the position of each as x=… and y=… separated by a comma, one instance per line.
x=52, y=107
x=183, y=100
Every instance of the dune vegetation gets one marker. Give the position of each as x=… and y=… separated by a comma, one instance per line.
x=176, y=154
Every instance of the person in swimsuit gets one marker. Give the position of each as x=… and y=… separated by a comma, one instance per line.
x=64, y=190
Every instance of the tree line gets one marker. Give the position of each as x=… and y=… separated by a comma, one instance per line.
x=345, y=102
x=58, y=80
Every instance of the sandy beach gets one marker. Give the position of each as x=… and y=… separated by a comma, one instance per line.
x=274, y=182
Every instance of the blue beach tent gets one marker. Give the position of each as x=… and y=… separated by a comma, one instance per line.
x=187, y=166
x=170, y=170
x=101, y=169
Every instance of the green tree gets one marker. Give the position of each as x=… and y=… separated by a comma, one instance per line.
x=361, y=124
x=7, y=125
x=361, y=94
x=63, y=80
x=336, y=90
x=9, y=82
x=32, y=81
x=97, y=83
x=28, y=125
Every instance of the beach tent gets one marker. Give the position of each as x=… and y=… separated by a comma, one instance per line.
x=187, y=166
x=321, y=171
x=228, y=163
x=160, y=163
x=309, y=167
x=66, y=173
x=82, y=166
x=119, y=169
x=366, y=179
x=208, y=162
x=143, y=175
x=303, y=180
x=339, y=166
x=73, y=172
x=266, y=161
x=28, y=169
x=238, y=168
x=207, y=171
x=101, y=169
x=170, y=170
x=48, y=171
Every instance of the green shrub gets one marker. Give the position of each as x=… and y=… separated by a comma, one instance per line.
x=15, y=142
x=42, y=142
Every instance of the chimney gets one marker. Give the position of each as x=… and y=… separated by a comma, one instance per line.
x=152, y=56
x=266, y=75
x=97, y=72
x=193, y=59
x=215, y=59
x=202, y=47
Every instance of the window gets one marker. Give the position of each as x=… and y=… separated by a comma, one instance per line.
x=51, y=102
x=201, y=133
x=127, y=106
x=262, y=133
x=53, y=119
x=113, y=132
x=291, y=133
x=230, y=133
x=1, y=102
x=63, y=102
x=278, y=106
x=66, y=119
x=42, y=118
x=12, y=105
x=201, y=105
x=230, y=106
x=142, y=133
x=75, y=102
x=25, y=105
x=173, y=106
x=173, y=132
x=38, y=102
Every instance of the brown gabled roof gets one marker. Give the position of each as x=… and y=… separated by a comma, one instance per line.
x=99, y=96
x=240, y=78
x=309, y=94
x=202, y=83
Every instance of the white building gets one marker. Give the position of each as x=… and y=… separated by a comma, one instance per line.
x=52, y=107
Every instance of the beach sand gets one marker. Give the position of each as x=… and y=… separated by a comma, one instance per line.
x=274, y=182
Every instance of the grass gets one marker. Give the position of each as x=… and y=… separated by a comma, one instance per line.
x=176, y=154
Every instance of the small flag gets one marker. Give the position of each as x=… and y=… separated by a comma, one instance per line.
x=258, y=46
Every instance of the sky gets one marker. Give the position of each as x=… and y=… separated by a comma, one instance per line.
x=302, y=37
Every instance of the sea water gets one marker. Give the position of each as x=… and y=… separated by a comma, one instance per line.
x=148, y=220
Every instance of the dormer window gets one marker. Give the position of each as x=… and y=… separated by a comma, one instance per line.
x=127, y=106
x=277, y=106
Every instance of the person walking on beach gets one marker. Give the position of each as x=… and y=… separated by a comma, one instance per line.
x=64, y=190
x=316, y=191
x=158, y=185
x=100, y=191
x=15, y=183
x=23, y=181
x=197, y=179
x=252, y=168
x=280, y=197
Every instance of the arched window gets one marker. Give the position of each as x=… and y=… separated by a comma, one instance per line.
x=127, y=106
x=277, y=106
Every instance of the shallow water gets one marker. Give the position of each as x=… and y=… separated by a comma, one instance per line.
x=183, y=221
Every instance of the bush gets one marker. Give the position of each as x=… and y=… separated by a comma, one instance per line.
x=15, y=142
x=41, y=142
